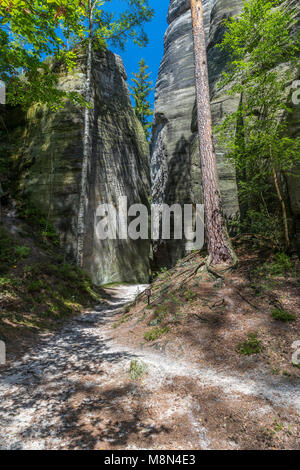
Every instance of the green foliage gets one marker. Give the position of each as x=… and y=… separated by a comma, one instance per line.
x=140, y=92
x=161, y=312
x=33, y=30
x=251, y=346
x=30, y=31
x=36, y=217
x=137, y=369
x=125, y=318
x=6, y=246
x=22, y=251
x=189, y=295
x=35, y=296
x=262, y=223
x=9, y=251
x=281, y=265
x=35, y=285
x=282, y=315
x=260, y=43
x=155, y=333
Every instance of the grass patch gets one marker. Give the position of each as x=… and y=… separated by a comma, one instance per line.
x=282, y=315
x=137, y=369
x=155, y=333
x=251, y=346
x=122, y=320
x=160, y=313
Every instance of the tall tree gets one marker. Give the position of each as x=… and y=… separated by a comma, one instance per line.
x=219, y=248
x=86, y=136
x=98, y=28
x=140, y=93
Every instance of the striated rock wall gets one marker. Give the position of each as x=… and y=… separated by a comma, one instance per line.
x=175, y=160
x=47, y=148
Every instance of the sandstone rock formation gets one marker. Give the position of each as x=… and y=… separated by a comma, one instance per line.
x=46, y=147
x=175, y=161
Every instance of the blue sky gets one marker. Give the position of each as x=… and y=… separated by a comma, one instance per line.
x=154, y=51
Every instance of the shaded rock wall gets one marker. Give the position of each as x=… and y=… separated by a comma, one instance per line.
x=175, y=160
x=47, y=149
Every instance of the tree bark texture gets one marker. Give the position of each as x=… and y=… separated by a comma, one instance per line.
x=218, y=243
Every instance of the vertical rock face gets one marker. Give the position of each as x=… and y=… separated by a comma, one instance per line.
x=293, y=181
x=221, y=103
x=47, y=147
x=175, y=160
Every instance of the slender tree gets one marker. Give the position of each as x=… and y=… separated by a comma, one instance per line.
x=219, y=249
x=86, y=137
x=141, y=90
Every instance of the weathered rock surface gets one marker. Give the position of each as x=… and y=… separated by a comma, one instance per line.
x=47, y=149
x=175, y=161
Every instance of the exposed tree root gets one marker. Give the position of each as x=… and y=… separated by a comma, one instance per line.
x=248, y=301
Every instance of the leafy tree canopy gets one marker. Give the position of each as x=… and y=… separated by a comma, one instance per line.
x=31, y=30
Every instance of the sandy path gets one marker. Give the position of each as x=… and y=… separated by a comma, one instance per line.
x=73, y=391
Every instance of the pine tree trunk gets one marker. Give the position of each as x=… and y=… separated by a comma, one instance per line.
x=86, y=146
x=218, y=243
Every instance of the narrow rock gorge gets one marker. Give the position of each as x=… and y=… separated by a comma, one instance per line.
x=46, y=150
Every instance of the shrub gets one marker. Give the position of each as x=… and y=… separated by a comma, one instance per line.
x=282, y=265
x=252, y=346
x=36, y=286
x=22, y=251
x=189, y=295
x=282, y=315
x=36, y=217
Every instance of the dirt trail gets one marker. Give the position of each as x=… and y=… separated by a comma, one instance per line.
x=73, y=391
